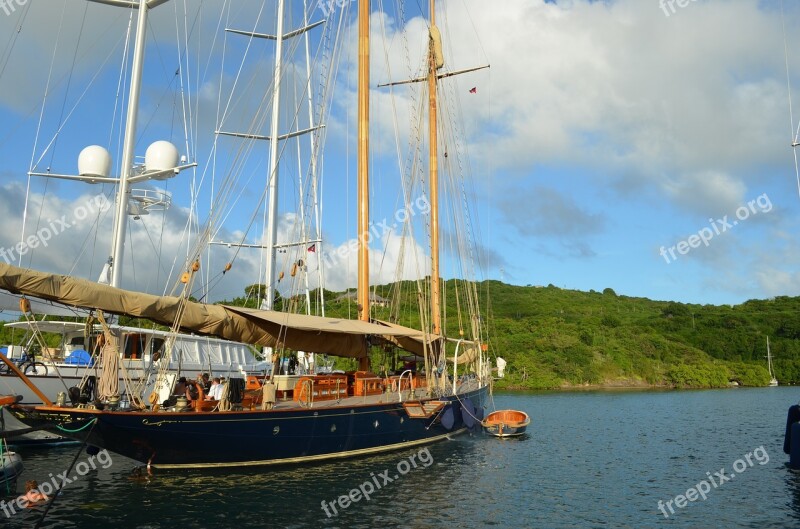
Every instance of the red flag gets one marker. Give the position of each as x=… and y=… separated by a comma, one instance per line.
x=312, y=248
x=473, y=90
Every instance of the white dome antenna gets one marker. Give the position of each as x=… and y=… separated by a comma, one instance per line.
x=94, y=160
x=161, y=156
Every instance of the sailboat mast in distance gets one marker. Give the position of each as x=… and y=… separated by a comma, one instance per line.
x=363, y=165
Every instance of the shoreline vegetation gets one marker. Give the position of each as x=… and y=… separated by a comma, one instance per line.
x=569, y=340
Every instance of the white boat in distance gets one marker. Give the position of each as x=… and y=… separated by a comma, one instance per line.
x=773, y=382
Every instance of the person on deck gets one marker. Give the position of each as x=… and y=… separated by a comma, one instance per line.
x=268, y=395
x=180, y=388
x=192, y=392
x=215, y=393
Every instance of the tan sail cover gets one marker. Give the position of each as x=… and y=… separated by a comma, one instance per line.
x=257, y=327
x=314, y=333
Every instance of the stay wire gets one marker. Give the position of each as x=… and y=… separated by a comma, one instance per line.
x=74, y=460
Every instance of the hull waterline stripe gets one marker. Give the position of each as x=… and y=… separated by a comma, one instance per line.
x=321, y=457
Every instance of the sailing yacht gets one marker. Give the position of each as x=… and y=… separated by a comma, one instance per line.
x=324, y=416
x=773, y=382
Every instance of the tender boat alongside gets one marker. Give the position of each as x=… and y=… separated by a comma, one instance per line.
x=506, y=423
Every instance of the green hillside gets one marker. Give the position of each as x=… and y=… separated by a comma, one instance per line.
x=555, y=338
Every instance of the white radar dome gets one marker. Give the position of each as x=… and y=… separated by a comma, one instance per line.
x=161, y=156
x=94, y=160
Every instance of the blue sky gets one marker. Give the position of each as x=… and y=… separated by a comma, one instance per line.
x=602, y=132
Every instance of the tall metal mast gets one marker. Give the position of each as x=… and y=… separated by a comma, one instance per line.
x=129, y=143
x=272, y=221
x=314, y=174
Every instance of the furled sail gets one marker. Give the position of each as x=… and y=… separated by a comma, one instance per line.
x=258, y=327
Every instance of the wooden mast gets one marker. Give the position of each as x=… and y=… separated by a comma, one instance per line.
x=363, y=167
x=433, y=161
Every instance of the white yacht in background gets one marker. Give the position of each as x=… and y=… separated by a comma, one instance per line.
x=56, y=370
x=773, y=382
x=68, y=365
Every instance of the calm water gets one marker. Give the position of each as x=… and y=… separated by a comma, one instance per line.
x=599, y=459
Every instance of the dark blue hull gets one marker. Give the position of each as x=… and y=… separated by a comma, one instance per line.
x=194, y=439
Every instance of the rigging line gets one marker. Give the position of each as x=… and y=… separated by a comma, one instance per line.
x=129, y=41
x=196, y=129
x=475, y=31
x=284, y=147
x=39, y=128
x=50, y=503
x=184, y=54
x=256, y=116
x=141, y=132
x=94, y=229
x=69, y=77
x=12, y=130
x=188, y=118
x=788, y=78
x=241, y=67
x=789, y=91
x=157, y=250
x=12, y=41
x=405, y=194
x=128, y=237
x=327, y=88
x=212, y=157
x=186, y=97
x=215, y=142
x=69, y=115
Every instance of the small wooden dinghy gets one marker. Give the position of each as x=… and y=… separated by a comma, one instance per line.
x=506, y=423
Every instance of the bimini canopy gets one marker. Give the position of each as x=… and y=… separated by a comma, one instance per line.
x=261, y=328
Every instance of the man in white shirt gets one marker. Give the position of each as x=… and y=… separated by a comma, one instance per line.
x=215, y=393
